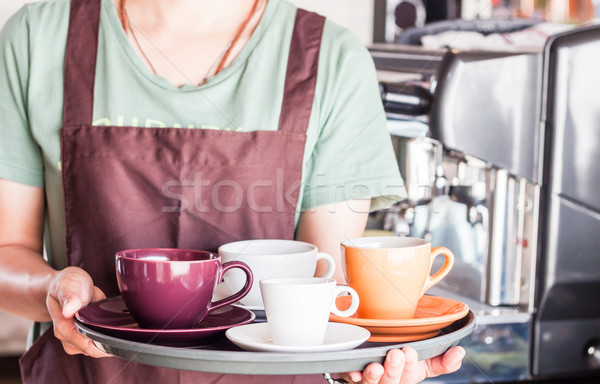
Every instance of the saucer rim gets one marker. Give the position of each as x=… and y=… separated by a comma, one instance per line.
x=403, y=338
x=270, y=347
x=406, y=323
x=248, y=307
x=139, y=330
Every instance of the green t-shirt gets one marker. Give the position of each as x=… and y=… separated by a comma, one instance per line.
x=348, y=151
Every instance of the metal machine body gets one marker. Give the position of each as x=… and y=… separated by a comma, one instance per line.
x=497, y=154
x=568, y=314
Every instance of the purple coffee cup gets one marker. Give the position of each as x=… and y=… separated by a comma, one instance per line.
x=173, y=288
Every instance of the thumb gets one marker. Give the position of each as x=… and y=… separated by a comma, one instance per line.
x=70, y=305
x=74, y=290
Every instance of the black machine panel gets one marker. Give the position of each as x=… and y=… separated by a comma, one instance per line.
x=567, y=323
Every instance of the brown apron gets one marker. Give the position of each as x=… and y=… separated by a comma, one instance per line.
x=132, y=187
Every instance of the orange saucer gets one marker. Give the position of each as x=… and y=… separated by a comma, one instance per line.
x=433, y=314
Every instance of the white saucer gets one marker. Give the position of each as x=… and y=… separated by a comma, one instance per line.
x=256, y=337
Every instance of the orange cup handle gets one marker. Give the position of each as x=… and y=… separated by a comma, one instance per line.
x=443, y=271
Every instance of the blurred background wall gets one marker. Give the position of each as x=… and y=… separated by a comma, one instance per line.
x=356, y=15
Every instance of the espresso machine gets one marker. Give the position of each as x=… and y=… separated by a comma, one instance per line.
x=497, y=150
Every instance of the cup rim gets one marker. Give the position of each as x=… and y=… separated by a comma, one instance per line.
x=122, y=255
x=297, y=281
x=226, y=247
x=360, y=242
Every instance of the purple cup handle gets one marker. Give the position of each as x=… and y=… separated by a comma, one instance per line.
x=242, y=292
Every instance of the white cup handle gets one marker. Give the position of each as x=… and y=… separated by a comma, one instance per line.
x=353, y=307
x=330, y=264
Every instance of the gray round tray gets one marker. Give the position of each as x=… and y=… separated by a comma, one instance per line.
x=223, y=356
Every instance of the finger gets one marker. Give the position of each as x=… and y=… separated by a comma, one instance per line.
x=452, y=359
x=89, y=350
x=70, y=306
x=88, y=347
x=73, y=289
x=414, y=372
x=75, y=343
x=449, y=362
x=70, y=349
x=98, y=294
x=73, y=296
x=59, y=321
x=352, y=377
x=73, y=302
x=393, y=367
x=66, y=331
x=372, y=374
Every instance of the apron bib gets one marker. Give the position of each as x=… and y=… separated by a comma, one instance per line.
x=134, y=187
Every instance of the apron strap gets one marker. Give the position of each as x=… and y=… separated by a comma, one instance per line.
x=80, y=62
x=302, y=69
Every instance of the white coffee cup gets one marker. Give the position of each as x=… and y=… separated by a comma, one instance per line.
x=270, y=258
x=298, y=308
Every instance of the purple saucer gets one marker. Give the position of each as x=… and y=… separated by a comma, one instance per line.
x=112, y=318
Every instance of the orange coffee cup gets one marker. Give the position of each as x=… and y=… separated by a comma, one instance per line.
x=390, y=274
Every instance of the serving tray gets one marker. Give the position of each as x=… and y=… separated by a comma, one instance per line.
x=224, y=357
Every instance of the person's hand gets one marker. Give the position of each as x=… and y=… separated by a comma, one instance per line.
x=71, y=289
x=403, y=367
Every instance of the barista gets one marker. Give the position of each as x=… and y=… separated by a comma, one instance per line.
x=184, y=124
